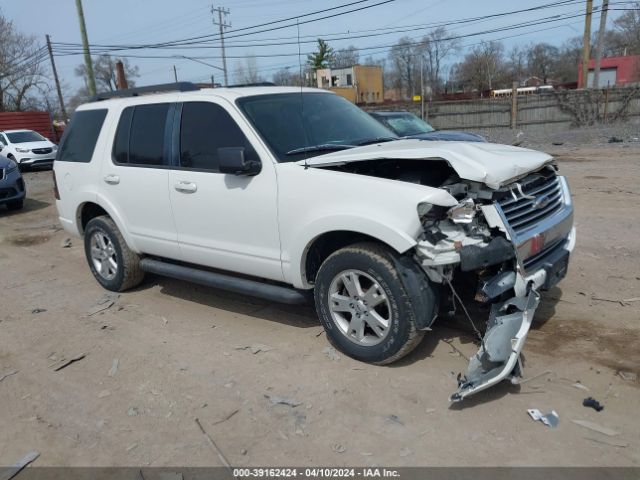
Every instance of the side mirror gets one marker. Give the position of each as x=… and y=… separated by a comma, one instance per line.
x=232, y=161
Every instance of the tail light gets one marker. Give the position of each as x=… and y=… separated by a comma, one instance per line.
x=56, y=192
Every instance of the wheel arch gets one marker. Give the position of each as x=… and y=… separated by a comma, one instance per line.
x=91, y=209
x=323, y=243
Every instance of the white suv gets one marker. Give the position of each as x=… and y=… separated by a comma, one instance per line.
x=27, y=148
x=277, y=191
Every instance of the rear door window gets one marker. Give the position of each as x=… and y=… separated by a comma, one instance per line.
x=206, y=127
x=140, y=136
x=80, y=137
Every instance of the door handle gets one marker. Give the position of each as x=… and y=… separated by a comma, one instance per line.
x=112, y=179
x=186, y=187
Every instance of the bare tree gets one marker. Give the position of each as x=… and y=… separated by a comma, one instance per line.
x=517, y=64
x=624, y=39
x=21, y=68
x=436, y=48
x=345, y=57
x=246, y=71
x=404, y=59
x=104, y=68
x=483, y=68
x=285, y=77
x=542, y=60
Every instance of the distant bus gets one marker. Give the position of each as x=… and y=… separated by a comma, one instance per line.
x=507, y=92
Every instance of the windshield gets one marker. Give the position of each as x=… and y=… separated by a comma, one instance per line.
x=407, y=124
x=302, y=125
x=25, y=137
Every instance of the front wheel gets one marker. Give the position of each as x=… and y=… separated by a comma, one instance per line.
x=364, y=306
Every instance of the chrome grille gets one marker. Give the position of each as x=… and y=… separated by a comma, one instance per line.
x=42, y=151
x=523, y=212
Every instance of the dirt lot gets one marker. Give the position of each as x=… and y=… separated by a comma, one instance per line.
x=180, y=356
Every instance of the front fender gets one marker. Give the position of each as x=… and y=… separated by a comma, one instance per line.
x=293, y=267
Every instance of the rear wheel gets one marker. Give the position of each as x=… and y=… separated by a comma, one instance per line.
x=112, y=262
x=364, y=306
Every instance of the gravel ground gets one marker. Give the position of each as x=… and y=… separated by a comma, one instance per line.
x=169, y=352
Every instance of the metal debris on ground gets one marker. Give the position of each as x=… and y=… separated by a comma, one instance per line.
x=596, y=428
x=331, y=353
x=65, y=243
x=593, y=403
x=275, y=400
x=10, y=472
x=227, y=417
x=8, y=374
x=395, y=419
x=551, y=419
x=64, y=362
x=580, y=386
x=38, y=310
x=255, y=348
x=114, y=367
x=628, y=376
x=107, y=301
x=221, y=456
x=338, y=448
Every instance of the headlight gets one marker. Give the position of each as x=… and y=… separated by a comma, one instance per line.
x=13, y=166
x=55, y=148
x=463, y=212
x=424, y=208
x=22, y=150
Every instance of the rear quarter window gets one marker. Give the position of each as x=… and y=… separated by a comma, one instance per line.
x=80, y=137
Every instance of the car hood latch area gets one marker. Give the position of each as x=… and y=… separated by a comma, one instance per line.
x=499, y=353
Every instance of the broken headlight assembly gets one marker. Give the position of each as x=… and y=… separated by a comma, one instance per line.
x=464, y=212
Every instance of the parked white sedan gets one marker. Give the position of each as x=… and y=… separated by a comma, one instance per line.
x=27, y=148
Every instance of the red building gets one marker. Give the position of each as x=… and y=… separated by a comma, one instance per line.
x=613, y=71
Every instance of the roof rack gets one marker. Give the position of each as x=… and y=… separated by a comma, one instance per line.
x=257, y=84
x=134, y=92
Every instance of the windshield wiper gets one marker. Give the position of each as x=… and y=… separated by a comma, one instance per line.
x=324, y=147
x=371, y=141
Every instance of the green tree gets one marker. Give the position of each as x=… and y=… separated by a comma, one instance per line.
x=322, y=58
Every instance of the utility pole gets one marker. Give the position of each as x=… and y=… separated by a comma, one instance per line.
x=121, y=79
x=55, y=78
x=599, y=47
x=222, y=23
x=585, y=44
x=175, y=74
x=91, y=83
x=422, y=87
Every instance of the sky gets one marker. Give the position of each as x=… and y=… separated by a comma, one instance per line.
x=117, y=22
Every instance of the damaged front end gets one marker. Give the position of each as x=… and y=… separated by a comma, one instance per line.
x=509, y=244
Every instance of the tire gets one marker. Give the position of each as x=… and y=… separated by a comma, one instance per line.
x=17, y=205
x=377, y=268
x=111, y=261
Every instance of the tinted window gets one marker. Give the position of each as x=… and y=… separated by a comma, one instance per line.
x=25, y=137
x=80, y=137
x=121, y=142
x=146, y=135
x=205, y=128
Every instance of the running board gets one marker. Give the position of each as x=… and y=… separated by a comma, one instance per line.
x=230, y=283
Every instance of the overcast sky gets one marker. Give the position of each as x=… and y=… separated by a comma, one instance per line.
x=152, y=21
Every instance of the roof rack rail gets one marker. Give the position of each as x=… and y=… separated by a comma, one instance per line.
x=257, y=84
x=134, y=92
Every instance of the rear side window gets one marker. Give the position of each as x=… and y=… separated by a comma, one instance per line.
x=140, y=135
x=80, y=137
x=206, y=127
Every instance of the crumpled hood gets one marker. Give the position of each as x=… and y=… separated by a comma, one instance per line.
x=489, y=163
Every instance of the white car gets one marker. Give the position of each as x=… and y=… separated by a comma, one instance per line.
x=278, y=192
x=27, y=148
